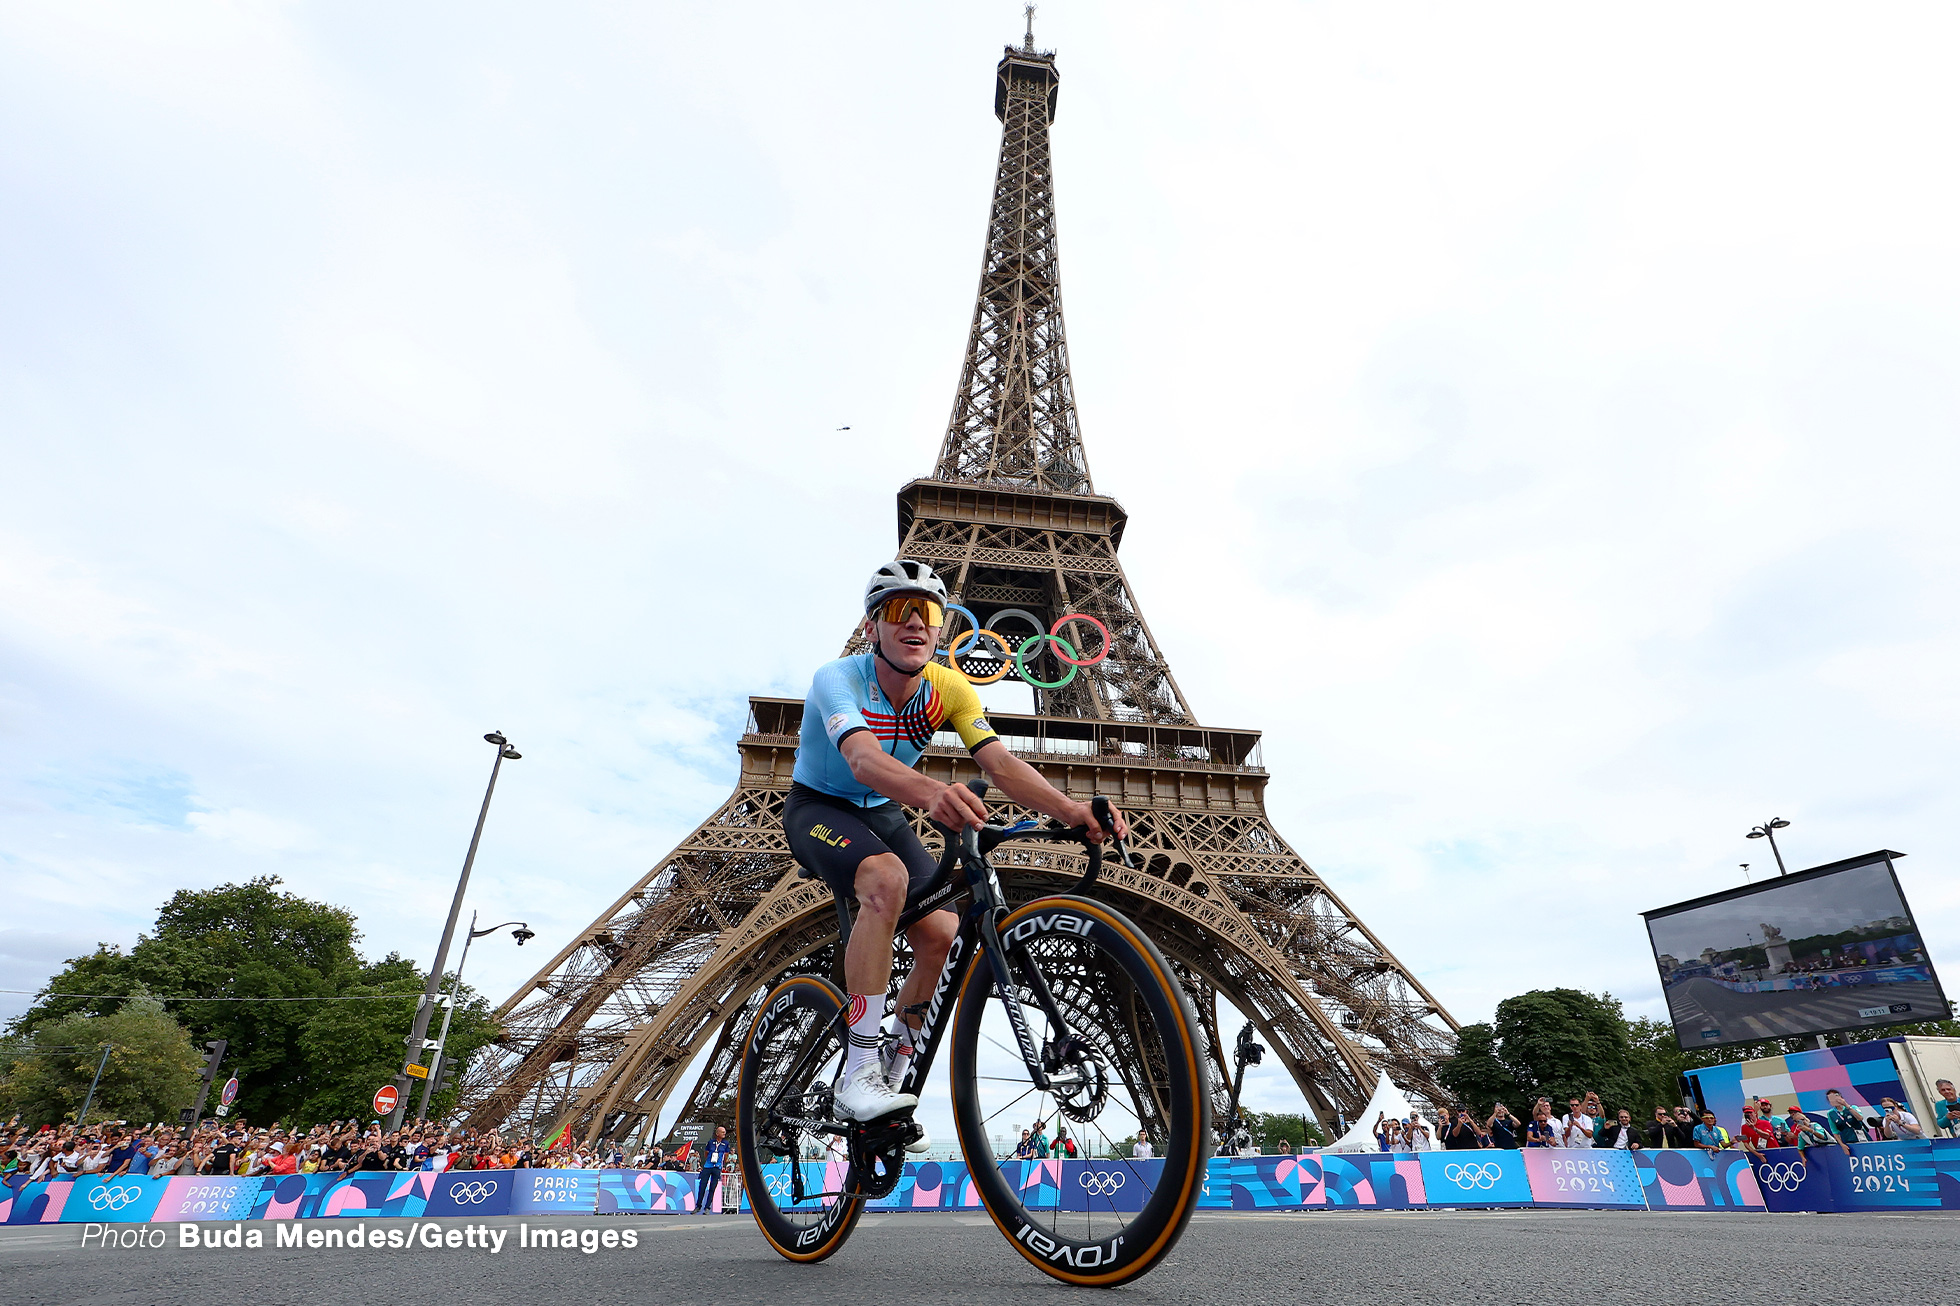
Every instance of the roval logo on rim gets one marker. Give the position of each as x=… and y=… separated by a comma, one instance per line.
x=1783, y=1176
x=1100, y=1184
x=1477, y=1175
x=471, y=1192
x=106, y=1198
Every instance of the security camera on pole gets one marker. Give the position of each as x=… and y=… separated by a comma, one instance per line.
x=439, y=1075
x=418, y=1040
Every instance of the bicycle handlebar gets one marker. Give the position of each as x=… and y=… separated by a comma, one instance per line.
x=976, y=841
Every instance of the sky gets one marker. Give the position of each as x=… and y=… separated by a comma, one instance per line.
x=1539, y=420
x=1848, y=900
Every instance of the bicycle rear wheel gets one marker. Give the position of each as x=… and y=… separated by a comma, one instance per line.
x=1136, y=1065
x=791, y=1060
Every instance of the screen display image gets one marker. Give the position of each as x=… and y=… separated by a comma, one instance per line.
x=1824, y=950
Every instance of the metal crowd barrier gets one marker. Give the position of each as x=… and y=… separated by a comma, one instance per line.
x=1923, y=1176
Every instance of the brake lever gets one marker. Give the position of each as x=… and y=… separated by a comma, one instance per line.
x=1100, y=806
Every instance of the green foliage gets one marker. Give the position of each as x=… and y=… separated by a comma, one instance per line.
x=1557, y=1042
x=151, y=1072
x=1476, y=1076
x=296, y=1061
x=1270, y=1128
x=1560, y=1044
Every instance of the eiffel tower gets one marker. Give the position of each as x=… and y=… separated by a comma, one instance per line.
x=601, y=1038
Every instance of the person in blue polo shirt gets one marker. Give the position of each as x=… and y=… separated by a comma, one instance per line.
x=713, y=1154
x=1709, y=1136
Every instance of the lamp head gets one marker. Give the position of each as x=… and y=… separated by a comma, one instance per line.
x=511, y=754
x=495, y=737
x=1756, y=834
x=1778, y=823
x=521, y=933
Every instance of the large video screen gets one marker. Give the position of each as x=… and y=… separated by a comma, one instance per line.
x=1829, y=949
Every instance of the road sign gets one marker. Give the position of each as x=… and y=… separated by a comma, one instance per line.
x=385, y=1099
x=222, y=1109
x=416, y=1070
x=230, y=1094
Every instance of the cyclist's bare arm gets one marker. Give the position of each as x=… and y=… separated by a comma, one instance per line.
x=956, y=805
x=953, y=805
x=1024, y=785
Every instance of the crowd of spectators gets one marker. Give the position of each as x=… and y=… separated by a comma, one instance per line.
x=1586, y=1123
x=1036, y=1145
x=220, y=1147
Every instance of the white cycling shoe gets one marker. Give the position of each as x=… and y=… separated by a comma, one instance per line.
x=865, y=1094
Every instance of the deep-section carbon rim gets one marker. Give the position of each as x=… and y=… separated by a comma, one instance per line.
x=1141, y=1066
x=789, y=1062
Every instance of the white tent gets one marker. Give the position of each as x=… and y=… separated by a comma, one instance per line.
x=1389, y=1100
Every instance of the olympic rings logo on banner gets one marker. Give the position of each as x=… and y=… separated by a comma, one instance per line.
x=1100, y=1184
x=778, y=1185
x=1013, y=658
x=1477, y=1175
x=1783, y=1176
x=106, y=1198
x=469, y=1194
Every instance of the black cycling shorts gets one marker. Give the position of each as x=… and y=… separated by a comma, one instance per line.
x=832, y=835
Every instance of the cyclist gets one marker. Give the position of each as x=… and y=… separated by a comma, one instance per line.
x=866, y=722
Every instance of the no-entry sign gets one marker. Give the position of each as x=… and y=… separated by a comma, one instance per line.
x=230, y=1094
x=385, y=1099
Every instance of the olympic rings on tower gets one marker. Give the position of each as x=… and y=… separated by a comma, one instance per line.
x=967, y=644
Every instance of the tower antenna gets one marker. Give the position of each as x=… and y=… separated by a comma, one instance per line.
x=1028, y=44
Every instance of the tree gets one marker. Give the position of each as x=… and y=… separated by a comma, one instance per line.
x=1270, y=1128
x=1562, y=1043
x=255, y=966
x=151, y=1072
x=1559, y=1044
x=1477, y=1076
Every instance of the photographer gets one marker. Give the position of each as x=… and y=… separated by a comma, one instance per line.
x=1504, y=1129
x=1462, y=1134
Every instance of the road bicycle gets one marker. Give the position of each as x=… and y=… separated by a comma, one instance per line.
x=1061, y=1009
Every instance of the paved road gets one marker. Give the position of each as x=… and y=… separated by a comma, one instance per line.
x=1433, y=1258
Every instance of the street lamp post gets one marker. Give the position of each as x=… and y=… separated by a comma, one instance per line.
x=521, y=933
x=426, y=1008
x=1767, y=830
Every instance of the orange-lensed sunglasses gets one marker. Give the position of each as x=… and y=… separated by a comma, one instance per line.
x=897, y=610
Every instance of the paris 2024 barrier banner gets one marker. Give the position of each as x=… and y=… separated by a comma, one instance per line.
x=1892, y=1177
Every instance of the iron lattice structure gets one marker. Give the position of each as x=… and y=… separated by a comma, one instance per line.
x=602, y=1037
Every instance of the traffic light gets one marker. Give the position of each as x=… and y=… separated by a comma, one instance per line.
x=445, y=1067
x=215, y=1054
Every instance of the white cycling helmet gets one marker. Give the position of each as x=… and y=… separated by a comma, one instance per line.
x=904, y=576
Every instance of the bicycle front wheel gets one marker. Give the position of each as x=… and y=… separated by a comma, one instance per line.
x=1130, y=1062
x=791, y=1060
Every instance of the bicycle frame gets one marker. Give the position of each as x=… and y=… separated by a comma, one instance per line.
x=978, y=934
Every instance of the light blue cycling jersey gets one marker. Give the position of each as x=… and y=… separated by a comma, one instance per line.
x=845, y=698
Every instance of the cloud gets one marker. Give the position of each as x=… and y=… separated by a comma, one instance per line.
x=1536, y=423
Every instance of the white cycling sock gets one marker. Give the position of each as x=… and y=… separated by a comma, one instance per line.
x=867, y=1017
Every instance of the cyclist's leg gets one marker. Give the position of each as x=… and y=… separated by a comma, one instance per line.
x=932, y=936
x=879, y=886
x=837, y=841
